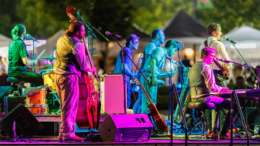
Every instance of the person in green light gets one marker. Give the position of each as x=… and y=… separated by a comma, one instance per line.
x=18, y=61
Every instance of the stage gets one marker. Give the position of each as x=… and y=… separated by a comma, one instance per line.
x=159, y=141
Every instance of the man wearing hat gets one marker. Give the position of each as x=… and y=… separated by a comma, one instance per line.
x=131, y=44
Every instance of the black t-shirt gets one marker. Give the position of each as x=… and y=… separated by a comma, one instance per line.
x=17, y=50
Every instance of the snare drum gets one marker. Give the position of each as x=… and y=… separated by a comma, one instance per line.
x=38, y=98
x=38, y=108
x=48, y=78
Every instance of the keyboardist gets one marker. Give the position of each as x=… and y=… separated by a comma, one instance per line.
x=202, y=81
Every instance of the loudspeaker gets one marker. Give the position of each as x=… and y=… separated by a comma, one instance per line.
x=113, y=101
x=130, y=127
x=25, y=122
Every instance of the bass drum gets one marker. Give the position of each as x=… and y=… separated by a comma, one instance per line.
x=48, y=78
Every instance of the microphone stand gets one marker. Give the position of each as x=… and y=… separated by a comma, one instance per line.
x=90, y=33
x=124, y=52
x=244, y=61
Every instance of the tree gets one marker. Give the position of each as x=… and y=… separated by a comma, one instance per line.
x=8, y=17
x=156, y=13
x=232, y=14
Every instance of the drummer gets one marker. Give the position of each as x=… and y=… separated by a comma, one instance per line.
x=18, y=61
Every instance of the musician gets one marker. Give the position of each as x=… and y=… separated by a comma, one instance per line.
x=70, y=61
x=158, y=38
x=131, y=44
x=202, y=81
x=153, y=69
x=214, y=32
x=18, y=61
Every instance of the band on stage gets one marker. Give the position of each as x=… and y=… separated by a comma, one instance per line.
x=72, y=63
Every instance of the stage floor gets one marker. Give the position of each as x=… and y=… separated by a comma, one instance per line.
x=158, y=141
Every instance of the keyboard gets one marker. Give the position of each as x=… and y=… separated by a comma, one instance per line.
x=244, y=93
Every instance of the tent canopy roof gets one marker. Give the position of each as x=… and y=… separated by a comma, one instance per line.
x=244, y=33
x=183, y=25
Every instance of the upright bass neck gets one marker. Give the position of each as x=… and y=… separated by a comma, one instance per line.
x=90, y=59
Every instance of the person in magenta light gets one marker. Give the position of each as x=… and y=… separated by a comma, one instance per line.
x=213, y=41
x=132, y=42
x=69, y=63
x=202, y=81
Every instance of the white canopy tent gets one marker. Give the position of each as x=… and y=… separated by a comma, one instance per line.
x=247, y=42
x=4, y=45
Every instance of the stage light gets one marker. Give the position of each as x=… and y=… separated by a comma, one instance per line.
x=188, y=52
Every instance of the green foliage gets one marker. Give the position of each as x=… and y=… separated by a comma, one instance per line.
x=230, y=14
x=8, y=17
x=43, y=18
x=156, y=13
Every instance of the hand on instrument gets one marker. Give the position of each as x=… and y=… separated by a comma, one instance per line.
x=154, y=81
x=224, y=89
x=34, y=62
x=29, y=68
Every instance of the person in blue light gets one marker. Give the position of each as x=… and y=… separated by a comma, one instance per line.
x=132, y=42
x=158, y=38
x=153, y=69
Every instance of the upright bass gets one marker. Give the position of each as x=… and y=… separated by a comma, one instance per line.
x=89, y=104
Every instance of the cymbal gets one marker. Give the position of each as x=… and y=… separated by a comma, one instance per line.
x=49, y=58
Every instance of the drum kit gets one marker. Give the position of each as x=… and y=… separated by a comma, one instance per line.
x=37, y=103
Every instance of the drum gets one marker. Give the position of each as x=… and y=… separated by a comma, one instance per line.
x=38, y=98
x=38, y=108
x=48, y=78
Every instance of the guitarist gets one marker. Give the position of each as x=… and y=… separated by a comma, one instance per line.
x=214, y=32
x=70, y=61
x=153, y=68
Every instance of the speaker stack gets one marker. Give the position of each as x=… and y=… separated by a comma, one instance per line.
x=26, y=123
x=123, y=128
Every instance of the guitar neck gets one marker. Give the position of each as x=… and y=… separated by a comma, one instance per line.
x=147, y=96
x=219, y=66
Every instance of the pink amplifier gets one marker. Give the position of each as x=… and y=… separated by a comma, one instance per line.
x=113, y=101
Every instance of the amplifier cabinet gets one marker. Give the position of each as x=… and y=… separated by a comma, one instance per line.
x=126, y=127
x=113, y=101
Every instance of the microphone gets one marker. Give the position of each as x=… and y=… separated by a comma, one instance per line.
x=78, y=15
x=28, y=36
x=223, y=60
x=231, y=41
x=114, y=35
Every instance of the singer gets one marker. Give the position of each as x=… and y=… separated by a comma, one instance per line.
x=214, y=32
x=131, y=44
x=18, y=61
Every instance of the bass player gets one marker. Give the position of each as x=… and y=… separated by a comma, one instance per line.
x=70, y=61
